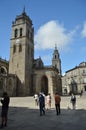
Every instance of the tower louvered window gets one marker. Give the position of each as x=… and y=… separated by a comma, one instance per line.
x=20, y=48
x=14, y=48
x=16, y=33
x=21, y=32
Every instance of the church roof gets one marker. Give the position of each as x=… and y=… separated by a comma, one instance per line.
x=4, y=60
x=23, y=16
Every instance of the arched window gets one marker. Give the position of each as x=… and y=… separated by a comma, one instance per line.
x=3, y=71
x=55, y=56
x=14, y=48
x=20, y=47
x=21, y=32
x=16, y=33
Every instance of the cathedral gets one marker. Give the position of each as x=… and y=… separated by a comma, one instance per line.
x=23, y=75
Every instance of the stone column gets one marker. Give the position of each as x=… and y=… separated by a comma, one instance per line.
x=50, y=85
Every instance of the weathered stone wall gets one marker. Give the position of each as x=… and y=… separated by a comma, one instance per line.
x=8, y=83
x=52, y=78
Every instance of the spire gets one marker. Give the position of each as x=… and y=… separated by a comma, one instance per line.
x=24, y=10
x=55, y=46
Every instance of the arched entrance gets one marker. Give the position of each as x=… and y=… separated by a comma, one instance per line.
x=73, y=87
x=44, y=85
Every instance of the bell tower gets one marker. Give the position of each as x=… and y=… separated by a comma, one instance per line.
x=56, y=62
x=22, y=53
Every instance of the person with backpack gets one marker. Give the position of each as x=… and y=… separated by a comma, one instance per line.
x=73, y=101
x=41, y=104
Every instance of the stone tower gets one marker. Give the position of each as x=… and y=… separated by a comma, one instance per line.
x=56, y=62
x=22, y=53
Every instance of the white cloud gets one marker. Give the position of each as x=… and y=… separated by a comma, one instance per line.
x=83, y=33
x=53, y=33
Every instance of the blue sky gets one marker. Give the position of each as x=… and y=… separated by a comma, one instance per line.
x=60, y=22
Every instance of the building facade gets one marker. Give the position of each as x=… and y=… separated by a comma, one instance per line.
x=74, y=80
x=23, y=75
x=7, y=81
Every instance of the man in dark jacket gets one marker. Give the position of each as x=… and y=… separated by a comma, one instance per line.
x=5, y=105
x=41, y=104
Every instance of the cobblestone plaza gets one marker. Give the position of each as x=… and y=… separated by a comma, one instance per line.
x=23, y=115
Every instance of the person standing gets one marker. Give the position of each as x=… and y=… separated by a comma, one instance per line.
x=41, y=104
x=48, y=101
x=4, y=113
x=36, y=99
x=73, y=101
x=57, y=103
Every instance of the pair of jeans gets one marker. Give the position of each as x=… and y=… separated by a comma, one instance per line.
x=57, y=109
x=42, y=109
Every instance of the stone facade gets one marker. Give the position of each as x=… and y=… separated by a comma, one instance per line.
x=22, y=52
x=23, y=75
x=47, y=80
x=8, y=82
x=74, y=80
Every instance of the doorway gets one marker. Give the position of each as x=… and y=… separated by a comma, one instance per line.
x=44, y=85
